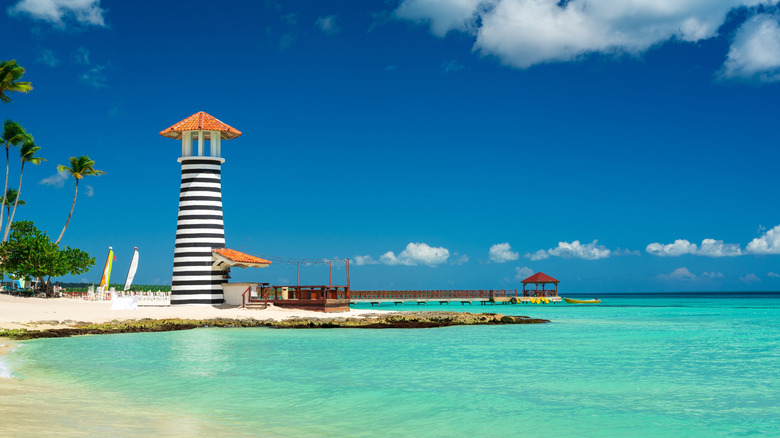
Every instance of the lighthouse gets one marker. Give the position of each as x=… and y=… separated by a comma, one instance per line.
x=197, y=279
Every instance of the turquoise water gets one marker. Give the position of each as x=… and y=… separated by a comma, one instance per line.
x=652, y=366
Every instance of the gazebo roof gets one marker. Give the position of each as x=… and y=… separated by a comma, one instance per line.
x=201, y=121
x=231, y=258
x=540, y=277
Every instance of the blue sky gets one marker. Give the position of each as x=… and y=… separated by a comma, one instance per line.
x=621, y=145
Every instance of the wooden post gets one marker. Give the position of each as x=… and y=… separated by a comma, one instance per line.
x=348, y=285
x=297, y=276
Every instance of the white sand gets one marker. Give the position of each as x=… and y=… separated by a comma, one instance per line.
x=18, y=312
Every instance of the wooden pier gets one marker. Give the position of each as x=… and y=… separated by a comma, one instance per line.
x=338, y=298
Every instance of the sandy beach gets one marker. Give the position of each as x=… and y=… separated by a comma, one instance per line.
x=42, y=314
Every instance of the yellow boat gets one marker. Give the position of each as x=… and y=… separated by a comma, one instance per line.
x=573, y=301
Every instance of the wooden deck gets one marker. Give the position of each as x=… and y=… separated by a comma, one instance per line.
x=332, y=298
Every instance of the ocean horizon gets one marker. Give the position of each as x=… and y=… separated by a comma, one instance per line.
x=661, y=364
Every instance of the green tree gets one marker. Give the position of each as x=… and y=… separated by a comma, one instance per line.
x=27, y=154
x=12, y=198
x=13, y=135
x=30, y=253
x=10, y=73
x=79, y=168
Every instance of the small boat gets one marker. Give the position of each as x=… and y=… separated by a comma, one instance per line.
x=573, y=301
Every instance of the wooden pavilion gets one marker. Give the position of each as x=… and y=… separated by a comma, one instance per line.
x=543, y=279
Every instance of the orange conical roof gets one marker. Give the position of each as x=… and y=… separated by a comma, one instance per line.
x=201, y=121
x=540, y=277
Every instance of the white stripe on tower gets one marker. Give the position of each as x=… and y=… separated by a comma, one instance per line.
x=199, y=229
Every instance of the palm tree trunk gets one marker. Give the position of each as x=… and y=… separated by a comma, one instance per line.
x=69, y=214
x=5, y=190
x=13, y=212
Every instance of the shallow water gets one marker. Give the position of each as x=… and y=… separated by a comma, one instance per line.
x=640, y=365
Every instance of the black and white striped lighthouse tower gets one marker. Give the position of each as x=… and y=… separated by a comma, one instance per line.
x=199, y=229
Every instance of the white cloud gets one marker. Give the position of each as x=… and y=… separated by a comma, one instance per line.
x=502, y=252
x=769, y=243
x=442, y=15
x=625, y=252
x=58, y=12
x=460, y=259
x=755, y=51
x=57, y=180
x=328, y=24
x=417, y=254
x=538, y=255
x=679, y=274
x=712, y=275
x=709, y=248
x=589, y=251
x=523, y=273
x=716, y=248
x=773, y=275
x=365, y=260
x=89, y=191
x=750, y=278
x=47, y=57
x=522, y=33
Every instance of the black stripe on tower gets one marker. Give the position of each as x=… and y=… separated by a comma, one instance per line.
x=200, y=189
x=187, y=301
x=201, y=171
x=201, y=207
x=201, y=198
x=199, y=226
x=205, y=180
x=198, y=217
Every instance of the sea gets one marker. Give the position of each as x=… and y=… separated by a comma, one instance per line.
x=636, y=365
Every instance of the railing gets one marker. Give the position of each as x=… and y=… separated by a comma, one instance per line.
x=430, y=294
x=317, y=292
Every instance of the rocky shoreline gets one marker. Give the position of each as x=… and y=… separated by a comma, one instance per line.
x=370, y=321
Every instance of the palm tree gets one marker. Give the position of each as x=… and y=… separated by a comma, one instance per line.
x=79, y=168
x=13, y=135
x=10, y=73
x=12, y=198
x=27, y=154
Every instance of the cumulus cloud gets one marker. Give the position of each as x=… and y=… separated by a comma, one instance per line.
x=709, y=248
x=417, y=254
x=773, y=275
x=750, y=278
x=523, y=273
x=538, y=255
x=89, y=191
x=328, y=24
x=768, y=243
x=683, y=274
x=502, y=252
x=61, y=12
x=575, y=249
x=679, y=274
x=755, y=52
x=57, y=180
x=364, y=260
x=523, y=33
